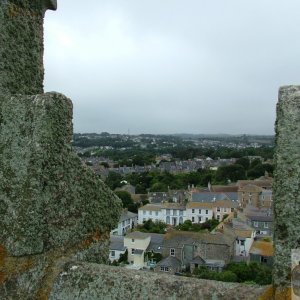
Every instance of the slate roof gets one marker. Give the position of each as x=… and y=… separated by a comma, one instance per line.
x=127, y=215
x=262, y=248
x=197, y=260
x=151, y=207
x=137, y=235
x=173, y=206
x=199, y=205
x=261, y=218
x=156, y=242
x=176, y=239
x=208, y=197
x=116, y=243
x=170, y=261
x=226, y=203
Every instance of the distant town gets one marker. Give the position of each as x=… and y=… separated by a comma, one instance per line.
x=194, y=205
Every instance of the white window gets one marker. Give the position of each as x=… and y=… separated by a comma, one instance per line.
x=172, y=252
x=168, y=212
x=255, y=224
x=200, y=219
x=206, y=219
x=144, y=212
x=225, y=209
x=266, y=225
x=150, y=213
x=113, y=253
x=193, y=211
x=156, y=213
x=218, y=217
x=199, y=211
x=132, y=240
x=193, y=219
x=218, y=209
x=162, y=268
x=132, y=251
x=206, y=211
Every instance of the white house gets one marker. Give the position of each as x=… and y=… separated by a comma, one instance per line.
x=199, y=212
x=137, y=244
x=169, y=213
x=150, y=211
x=127, y=221
x=116, y=247
x=244, y=241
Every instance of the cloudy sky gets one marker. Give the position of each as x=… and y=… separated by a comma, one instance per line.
x=173, y=66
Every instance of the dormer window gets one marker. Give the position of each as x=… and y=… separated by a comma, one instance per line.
x=172, y=252
x=132, y=240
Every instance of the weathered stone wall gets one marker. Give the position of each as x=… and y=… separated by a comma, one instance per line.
x=287, y=183
x=21, y=45
x=52, y=208
x=103, y=282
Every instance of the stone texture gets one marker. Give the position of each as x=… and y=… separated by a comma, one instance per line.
x=287, y=183
x=48, y=198
x=92, y=281
x=21, y=45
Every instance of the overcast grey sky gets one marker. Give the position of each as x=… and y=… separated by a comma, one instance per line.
x=173, y=66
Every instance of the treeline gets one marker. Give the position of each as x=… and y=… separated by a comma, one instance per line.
x=141, y=157
x=162, y=181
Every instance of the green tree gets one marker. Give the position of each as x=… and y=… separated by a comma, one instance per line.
x=232, y=172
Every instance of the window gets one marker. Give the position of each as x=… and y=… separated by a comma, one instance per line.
x=225, y=209
x=206, y=219
x=172, y=252
x=218, y=217
x=150, y=213
x=206, y=211
x=242, y=243
x=193, y=211
x=132, y=240
x=144, y=212
x=132, y=251
x=113, y=253
x=168, y=212
x=266, y=225
x=263, y=259
x=193, y=219
x=232, y=209
x=156, y=213
x=164, y=269
x=218, y=209
x=181, y=213
x=199, y=211
x=255, y=224
x=200, y=219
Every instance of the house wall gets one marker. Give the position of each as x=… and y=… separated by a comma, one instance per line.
x=220, y=211
x=199, y=213
x=243, y=250
x=136, y=244
x=116, y=256
x=145, y=215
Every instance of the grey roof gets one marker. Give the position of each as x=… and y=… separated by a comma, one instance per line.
x=177, y=239
x=170, y=261
x=127, y=215
x=208, y=197
x=261, y=218
x=156, y=242
x=215, y=262
x=116, y=243
x=197, y=260
x=232, y=196
x=138, y=235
